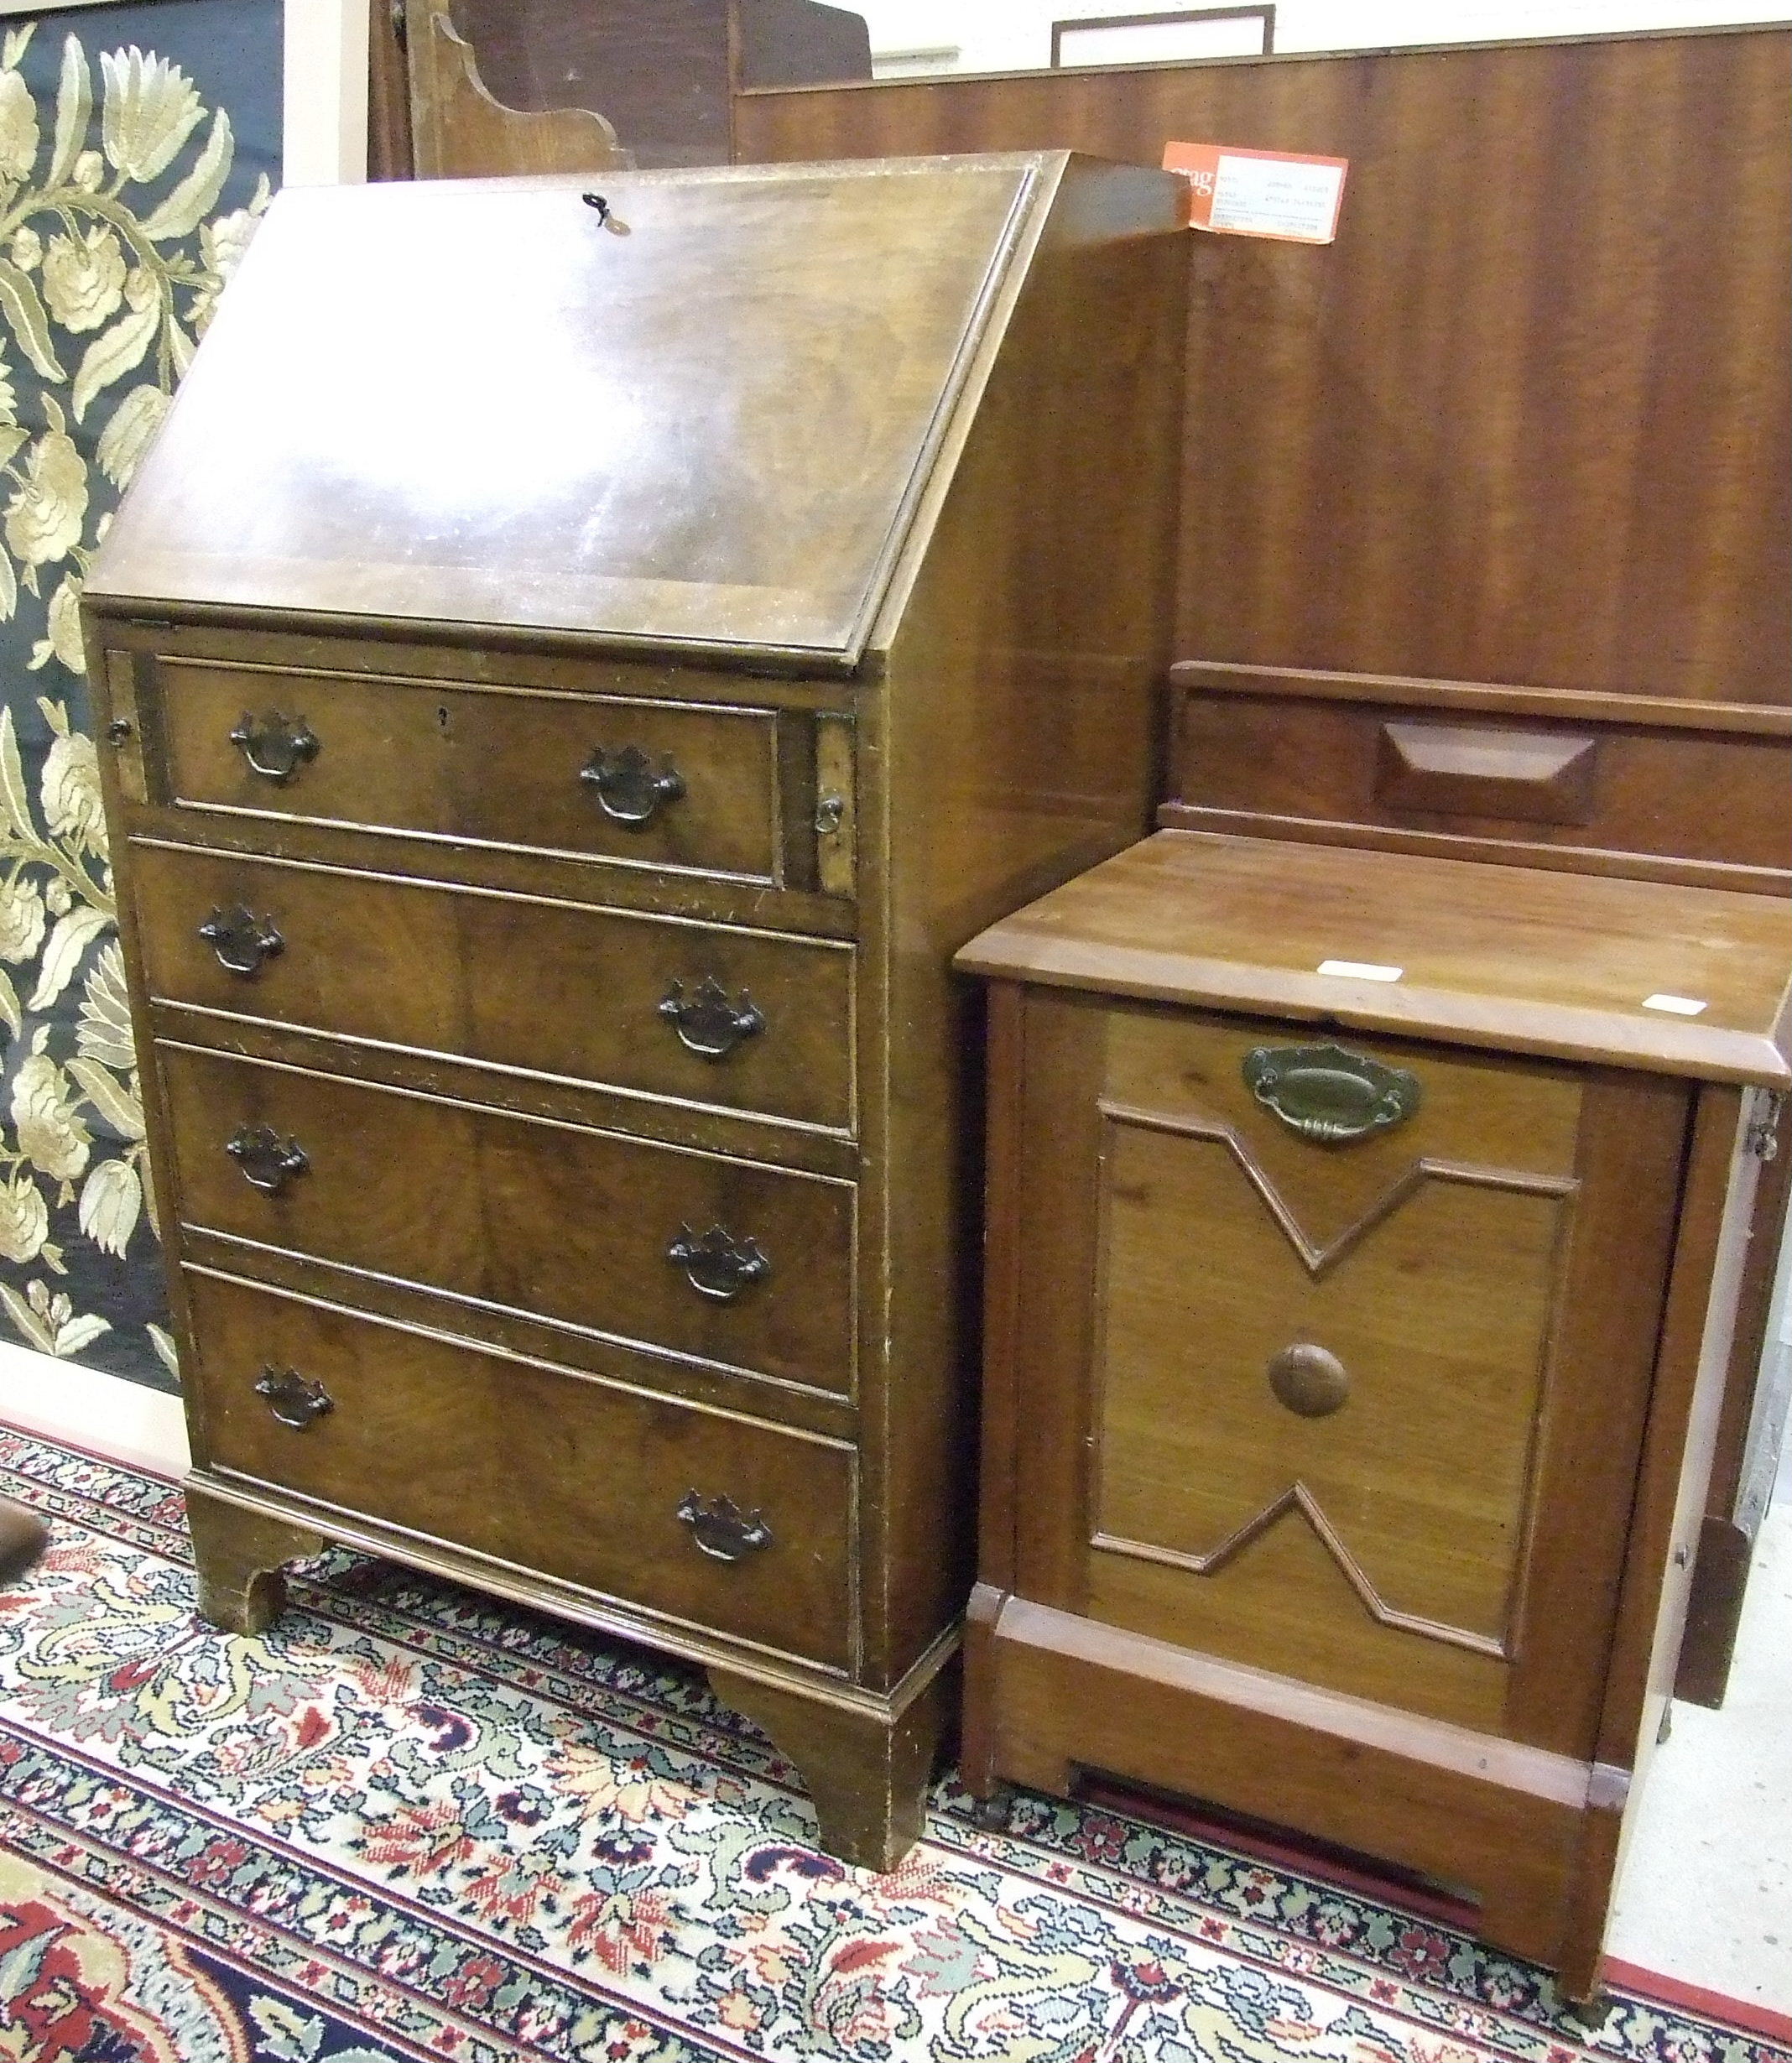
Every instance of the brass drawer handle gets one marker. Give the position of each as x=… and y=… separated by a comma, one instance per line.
x=1311, y=1382
x=718, y=1265
x=629, y=790
x=1328, y=1095
x=241, y=941
x=722, y=1529
x=708, y=1023
x=275, y=746
x=293, y=1400
x=268, y=1163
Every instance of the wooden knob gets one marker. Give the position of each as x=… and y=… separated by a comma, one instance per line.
x=1309, y=1380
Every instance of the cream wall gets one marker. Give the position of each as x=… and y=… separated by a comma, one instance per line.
x=1006, y=35
x=325, y=93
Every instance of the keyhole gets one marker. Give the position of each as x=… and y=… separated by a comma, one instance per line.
x=441, y=720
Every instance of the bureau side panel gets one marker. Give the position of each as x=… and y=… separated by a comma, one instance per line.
x=115, y=679
x=1013, y=745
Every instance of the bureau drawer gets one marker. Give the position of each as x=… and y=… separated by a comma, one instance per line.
x=516, y=982
x=727, y=1262
x=536, y=1468
x=620, y=780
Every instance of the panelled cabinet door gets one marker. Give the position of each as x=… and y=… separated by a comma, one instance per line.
x=1353, y=1410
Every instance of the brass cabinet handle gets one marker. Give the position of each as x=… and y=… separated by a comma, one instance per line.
x=629, y=790
x=293, y=1400
x=1328, y=1095
x=707, y=1022
x=722, y=1529
x=241, y=941
x=268, y=1163
x=1312, y=1382
x=718, y=1265
x=275, y=746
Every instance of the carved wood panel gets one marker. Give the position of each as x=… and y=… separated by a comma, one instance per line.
x=1410, y=1466
x=1394, y=1546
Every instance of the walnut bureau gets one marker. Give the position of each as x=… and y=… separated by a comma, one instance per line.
x=575, y=664
x=1365, y=1234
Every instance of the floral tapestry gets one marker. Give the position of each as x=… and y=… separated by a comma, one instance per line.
x=139, y=149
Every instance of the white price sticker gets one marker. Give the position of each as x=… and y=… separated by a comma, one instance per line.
x=1360, y=969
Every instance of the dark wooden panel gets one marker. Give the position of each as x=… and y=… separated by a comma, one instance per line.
x=527, y=1217
x=459, y=130
x=658, y=69
x=601, y=1505
x=1707, y=800
x=1527, y=420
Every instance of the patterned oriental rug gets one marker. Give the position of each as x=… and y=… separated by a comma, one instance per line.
x=409, y=1823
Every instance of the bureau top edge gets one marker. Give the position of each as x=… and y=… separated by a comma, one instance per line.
x=151, y=613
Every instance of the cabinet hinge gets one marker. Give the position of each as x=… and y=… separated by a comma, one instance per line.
x=1762, y=1138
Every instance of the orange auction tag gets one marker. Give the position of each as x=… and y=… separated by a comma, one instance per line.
x=1260, y=193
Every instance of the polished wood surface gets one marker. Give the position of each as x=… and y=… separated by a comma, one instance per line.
x=460, y=129
x=1528, y=461
x=389, y=149
x=600, y=1509
x=1544, y=445
x=494, y=766
x=655, y=479
x=1350, y=1402
x=541, y=1219
x=514, y=982
x=1510, y=958
x=468, y=1028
